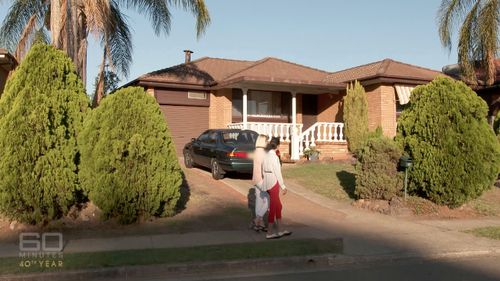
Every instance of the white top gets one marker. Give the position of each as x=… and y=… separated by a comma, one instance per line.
x=258, y=158
x=271, y=171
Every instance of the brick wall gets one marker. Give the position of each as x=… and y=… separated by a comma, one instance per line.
x=333, y=151
x=382, y=108
x=374, y=109
x=388, y=110
x=330, y=107
x=220, y=110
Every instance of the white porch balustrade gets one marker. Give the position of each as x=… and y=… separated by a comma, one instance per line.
x=325, y=132
x=321, y=132
x=283, y=131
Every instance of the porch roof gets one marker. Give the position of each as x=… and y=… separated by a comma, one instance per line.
x=280, y=85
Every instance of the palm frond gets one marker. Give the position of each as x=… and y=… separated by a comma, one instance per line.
x=160, y=16
x=18, y=16
x=450, y=13
x=468, y=45
x=156, y=10
x=26, y=38
x=117, y=40
x=488, y=36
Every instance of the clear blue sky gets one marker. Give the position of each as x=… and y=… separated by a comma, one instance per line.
x=326, y=34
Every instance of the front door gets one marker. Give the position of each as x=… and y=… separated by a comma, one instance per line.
x=309, y=110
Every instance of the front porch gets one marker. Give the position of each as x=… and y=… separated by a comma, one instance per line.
x=327, y=137
x=300, y=115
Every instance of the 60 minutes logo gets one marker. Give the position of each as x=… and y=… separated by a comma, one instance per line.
x=34, y=242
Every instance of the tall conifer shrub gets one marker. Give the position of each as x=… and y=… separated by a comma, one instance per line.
x=456, y=154
x=129, y=168
x=355, y=116
x=41, y=113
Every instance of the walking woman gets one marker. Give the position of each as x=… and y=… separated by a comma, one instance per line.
x=273, y=181
x=261, y=195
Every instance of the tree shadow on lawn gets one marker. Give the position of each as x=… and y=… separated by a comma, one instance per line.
x=185, y=195
x=347, y=181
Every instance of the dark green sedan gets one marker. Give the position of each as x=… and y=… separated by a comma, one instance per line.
x=222, y=150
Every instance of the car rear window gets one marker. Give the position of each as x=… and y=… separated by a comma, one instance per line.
x=239, y=137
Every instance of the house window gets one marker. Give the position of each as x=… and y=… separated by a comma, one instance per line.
x=403, y=93
x=197, y=95
x=261, y=104
x=400, y=107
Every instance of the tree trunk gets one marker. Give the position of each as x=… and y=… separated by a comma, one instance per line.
x=99, y=93
x=55, y=23
x=491, y=70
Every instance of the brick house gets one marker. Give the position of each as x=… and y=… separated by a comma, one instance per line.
x=7, y=64
x=299, y=104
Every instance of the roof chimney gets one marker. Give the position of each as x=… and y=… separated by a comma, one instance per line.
x=187, y=58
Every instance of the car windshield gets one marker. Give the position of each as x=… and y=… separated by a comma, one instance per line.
x=243, y=137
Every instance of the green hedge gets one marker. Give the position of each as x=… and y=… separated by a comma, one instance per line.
x=445, y=130
x=129, y=168
x=41, y=112
x=377, y=175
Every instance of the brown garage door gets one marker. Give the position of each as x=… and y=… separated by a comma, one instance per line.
x=185, y=122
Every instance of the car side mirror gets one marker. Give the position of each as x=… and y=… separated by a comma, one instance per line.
x=193, y=139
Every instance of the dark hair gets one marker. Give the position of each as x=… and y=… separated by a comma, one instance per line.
x=273, y=143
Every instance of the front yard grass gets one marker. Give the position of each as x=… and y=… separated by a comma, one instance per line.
x=492, y=232
x=489, y=203
x=332, y=180
x=242, y=251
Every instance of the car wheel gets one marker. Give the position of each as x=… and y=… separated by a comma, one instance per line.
x=188, y=160
x=217, y=172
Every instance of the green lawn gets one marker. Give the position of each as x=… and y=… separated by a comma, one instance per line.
x=332, y=180
x=492, y=232
x=265, y=249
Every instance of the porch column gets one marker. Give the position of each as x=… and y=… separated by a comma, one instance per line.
x=245, y=108
x=294, y=155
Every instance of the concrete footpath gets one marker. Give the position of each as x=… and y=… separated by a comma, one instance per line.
x=367, y=238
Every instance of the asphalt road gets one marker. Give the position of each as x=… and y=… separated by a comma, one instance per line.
x=474, y=269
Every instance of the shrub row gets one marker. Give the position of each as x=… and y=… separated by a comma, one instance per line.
x=456, y=154
x=54, y=149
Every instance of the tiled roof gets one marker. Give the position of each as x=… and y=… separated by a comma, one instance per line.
x=273, y=68
x=204, y=71
x=385, y=68
x=211, y=71
x=208, y=71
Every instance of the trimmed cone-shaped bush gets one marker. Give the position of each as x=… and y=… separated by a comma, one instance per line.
x=377, y=175
x=41, y=112
x=355, y=116
x=129, y=168
x=456, y=154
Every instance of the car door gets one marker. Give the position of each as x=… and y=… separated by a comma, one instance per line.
x=209, y=148
x=198, y=148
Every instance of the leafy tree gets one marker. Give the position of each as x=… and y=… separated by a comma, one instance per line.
x=41, y=113
x=107, y=83
x=377, y=175
x=129, y=168
x=478, y=35
x=455, y=152
x=355, y=116
x=69, y=24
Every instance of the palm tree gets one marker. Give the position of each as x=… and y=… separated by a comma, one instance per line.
x=70, y=22
x=477, y=37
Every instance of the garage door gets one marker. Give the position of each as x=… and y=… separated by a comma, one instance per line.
x=185, y=122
